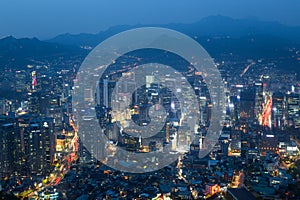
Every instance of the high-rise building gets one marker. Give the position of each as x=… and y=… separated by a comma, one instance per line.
x=21, y=81
x=278, y=114
x=34, y=102
x=10, y=148
x=104, y=92
x=235, y=144
x=258, y=98
x=247, y=103
x=234, y=106
x=224, y=146
x=39, y=145
x=293, y=109
x=183, y=138
x=55, y=111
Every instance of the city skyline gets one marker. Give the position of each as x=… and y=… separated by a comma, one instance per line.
x=141, y=100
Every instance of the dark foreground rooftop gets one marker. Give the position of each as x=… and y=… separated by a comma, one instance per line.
x=241, y=194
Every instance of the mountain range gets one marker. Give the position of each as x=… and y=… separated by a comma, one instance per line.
x=18, y=53
x=219, y=35
x=213, y=26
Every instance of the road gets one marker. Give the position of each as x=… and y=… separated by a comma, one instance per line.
x=69, y=155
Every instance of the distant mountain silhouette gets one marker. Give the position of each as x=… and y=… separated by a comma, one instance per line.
x=20, y=52
x=86, y=39
x=243, y=38
x=226, y=26
x=219, y=35
x=207, y=27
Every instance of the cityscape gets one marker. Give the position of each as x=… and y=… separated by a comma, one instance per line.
x=153, y=111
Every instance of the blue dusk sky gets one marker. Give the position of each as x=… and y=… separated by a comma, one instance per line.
x=48, y=18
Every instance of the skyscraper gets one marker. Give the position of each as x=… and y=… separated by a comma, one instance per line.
x=278, y=114
x=247, y=105
x=293, y=109
x=105, y=92
x=39, y=145
x=10, y=148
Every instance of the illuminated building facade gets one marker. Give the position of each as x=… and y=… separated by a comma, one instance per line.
x=258, y=98
x=10, y=148
x=279, y=108
x=34, y=81
x=39, y=145
x=293, y=109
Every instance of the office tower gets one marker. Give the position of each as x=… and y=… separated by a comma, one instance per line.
x=104, y=92
x=204, y=102
x=34, y=103
x=278, y=114
x=39, y=145
x=88, y=133
x=235, y=140
x=10, y=148
x=258, y=98
x=293, y=110
x=183, y=138
x=21, y=82
x=247, y=103
x=224, y=146
x=86, y=126
x=234, y=107
x=48, y=133
x=54, y=110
